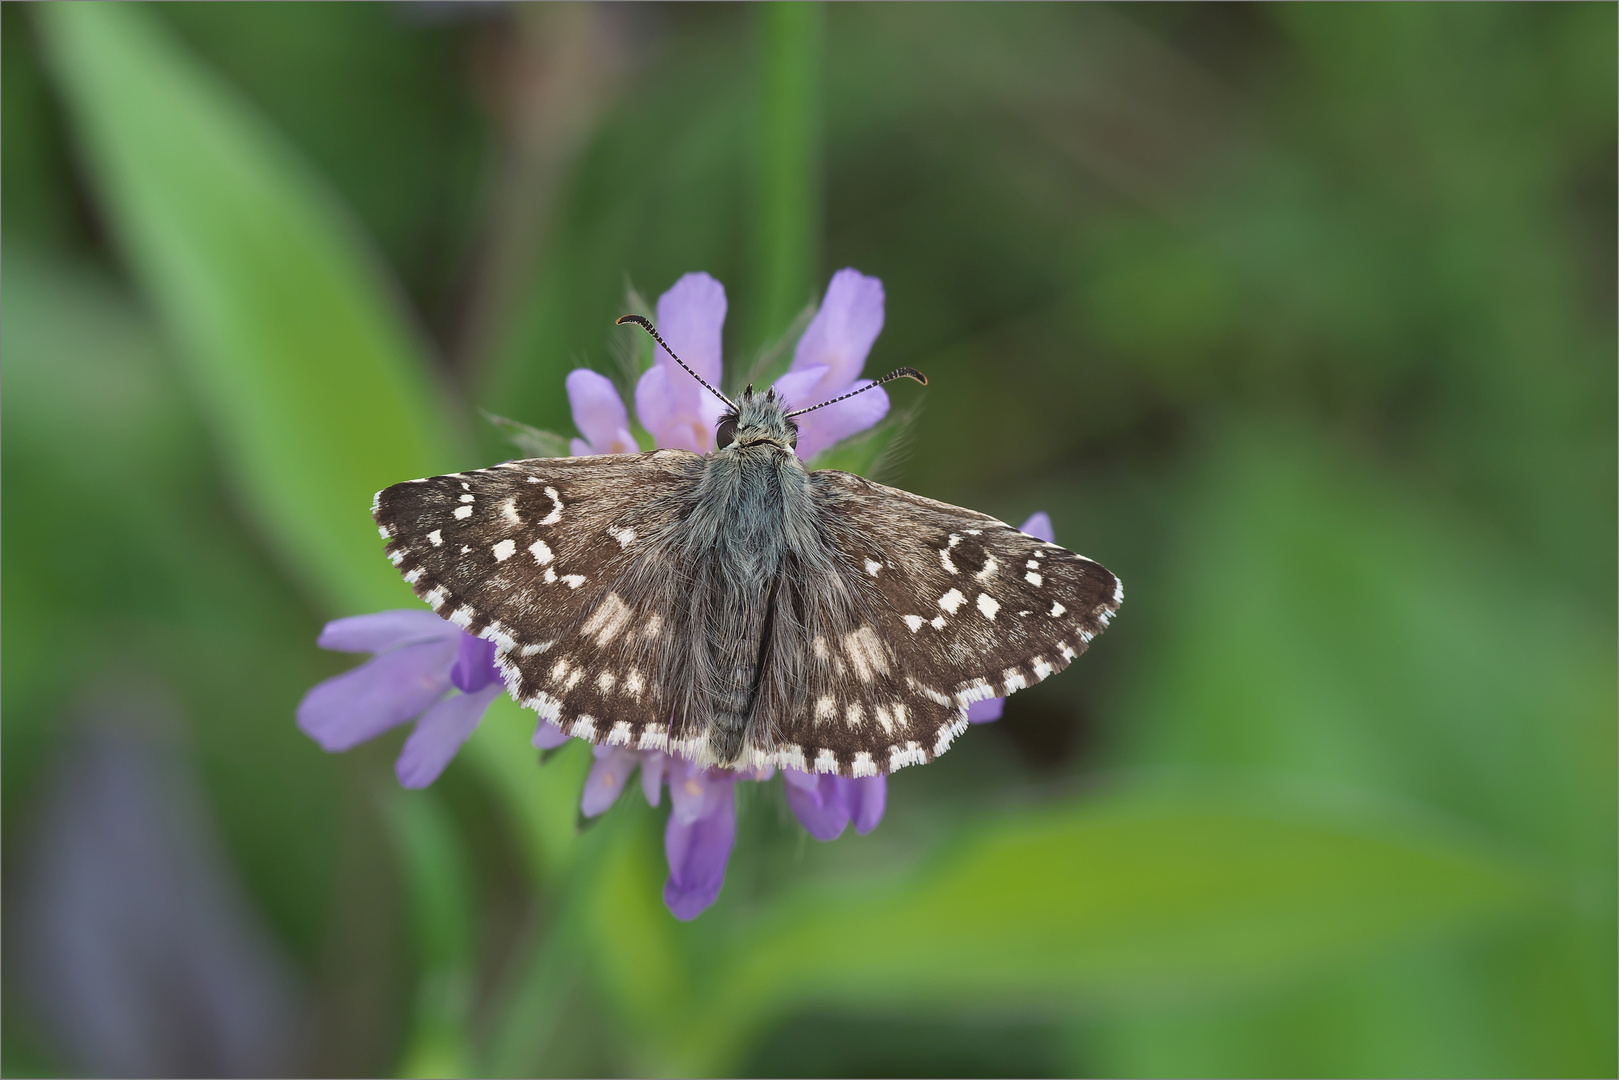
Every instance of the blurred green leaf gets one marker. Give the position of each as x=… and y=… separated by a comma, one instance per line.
x=1135, y=895
x=318, y=393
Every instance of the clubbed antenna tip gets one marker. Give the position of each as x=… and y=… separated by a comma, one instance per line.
x=897, y=373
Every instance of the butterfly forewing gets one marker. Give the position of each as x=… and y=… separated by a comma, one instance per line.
x=535, y=556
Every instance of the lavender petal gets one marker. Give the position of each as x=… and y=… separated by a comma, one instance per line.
x=654, y=765
x=382, y=693
x=844, y=329
x=824, y=427
x=698, y=852
x=672, y=406
x=1039, y=527
x=599, y=414
x=986, y=711
x=474, y=666
x=689, y=794
x=384, y=630
x=609, y=775
x=439, y=735
x=823, y=811
x=547, y=736
x=868, y=797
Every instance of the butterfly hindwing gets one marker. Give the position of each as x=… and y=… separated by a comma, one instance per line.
x=537, y=557
x=959, y=607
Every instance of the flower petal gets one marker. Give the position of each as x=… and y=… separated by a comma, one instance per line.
x=986, y=711
x=382, y=693
x=672, y=406
x=823, y=427
x=801, y=389
x=384, y=630
x=1039, y=527
x=689, y=790
x=474, y=666
x=843, y=330
x=869, y=798
x=547, y=736
x=439, y=734
x=654, y=764
x=807, y=782
x=609, y=775
x=598, y=411
x=698, y=852
x=824, y=812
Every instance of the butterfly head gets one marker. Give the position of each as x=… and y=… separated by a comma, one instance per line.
x=756, y=420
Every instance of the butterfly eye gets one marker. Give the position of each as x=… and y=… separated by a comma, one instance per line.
x=725, y=435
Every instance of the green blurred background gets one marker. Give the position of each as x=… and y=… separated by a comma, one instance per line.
x=1300, y=318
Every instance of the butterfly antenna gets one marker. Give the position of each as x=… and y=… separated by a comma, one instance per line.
x=898, y=373
x=649, y=328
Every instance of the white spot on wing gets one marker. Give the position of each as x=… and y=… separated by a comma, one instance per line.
x=541, y=552
x=435, y=598
x=865, y=652
x=463, y=512
x=855, y=715
x=915, y=622
x=504, y=550
x=624, y=536
x=1033, y=578
x=610, y=617
x=462, y=617
x=872, y=566
x=1057, y=608
x=435, y=538
x=938, y=622
x=826, y=761
x=988, y=605
x=508, y=510
x=863, y=765
x=990, y=566
x=826, y=708
x=414, y=576
x=620, y=735
x=952, y=600
x=573, y=581
x=944, y=559
x=466, y=498
x=556, y=508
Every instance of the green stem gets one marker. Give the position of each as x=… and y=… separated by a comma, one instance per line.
x=787, y=231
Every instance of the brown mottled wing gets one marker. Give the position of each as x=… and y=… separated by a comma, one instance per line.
x=550, y=559
x=957, y=607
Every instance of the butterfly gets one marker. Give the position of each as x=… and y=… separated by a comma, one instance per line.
x=736, y=609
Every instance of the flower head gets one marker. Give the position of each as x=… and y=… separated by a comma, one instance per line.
x=425, y=668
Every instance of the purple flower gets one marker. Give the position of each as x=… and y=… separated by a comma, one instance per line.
x=989, y=710
x=418, y=659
